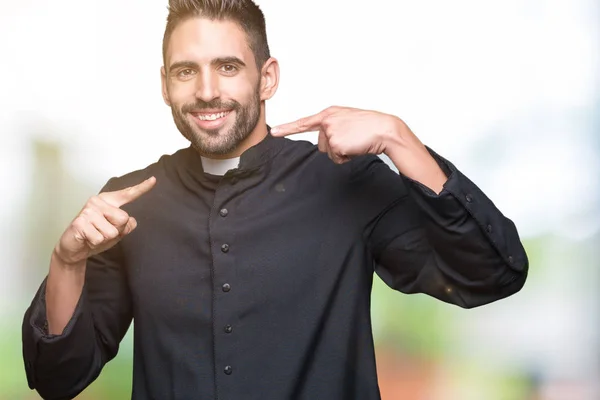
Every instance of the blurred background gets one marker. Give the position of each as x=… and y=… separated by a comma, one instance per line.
x=508, y=90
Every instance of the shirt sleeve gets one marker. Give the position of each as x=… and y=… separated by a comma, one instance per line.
x=62, y=366
x=455, y=246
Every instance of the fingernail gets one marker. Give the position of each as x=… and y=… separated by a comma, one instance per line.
x=274, y=131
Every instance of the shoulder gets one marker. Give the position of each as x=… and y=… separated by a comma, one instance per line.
x=361, y=168
x=165, y=163
x=297, y=147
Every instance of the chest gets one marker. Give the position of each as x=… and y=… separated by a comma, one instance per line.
x=259, y=245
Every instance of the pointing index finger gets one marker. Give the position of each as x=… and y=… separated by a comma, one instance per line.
x=307, y=124
x=121, y=197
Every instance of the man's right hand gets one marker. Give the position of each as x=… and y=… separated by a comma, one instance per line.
x=100, y=225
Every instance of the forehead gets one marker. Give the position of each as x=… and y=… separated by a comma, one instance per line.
x=202, y=39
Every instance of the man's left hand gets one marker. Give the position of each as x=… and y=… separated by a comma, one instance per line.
x=347, y=132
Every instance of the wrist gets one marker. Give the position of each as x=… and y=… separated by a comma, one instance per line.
x=412, y=158
x=400, y=142
x=398, y=138
x=57, y=262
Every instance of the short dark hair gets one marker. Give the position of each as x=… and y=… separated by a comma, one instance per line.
x=243, y=12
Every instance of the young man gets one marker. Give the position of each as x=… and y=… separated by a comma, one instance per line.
x=247, y=259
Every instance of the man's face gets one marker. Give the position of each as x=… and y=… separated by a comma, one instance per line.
x=212, y=84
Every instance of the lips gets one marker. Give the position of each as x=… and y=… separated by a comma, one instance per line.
x=210, y=119
x=210, y=116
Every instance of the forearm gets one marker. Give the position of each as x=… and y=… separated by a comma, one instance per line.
x=63, y=290
x=445, y=237
x=411, y=158
x=59, y=363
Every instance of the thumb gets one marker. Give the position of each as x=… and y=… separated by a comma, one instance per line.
x=129, y=227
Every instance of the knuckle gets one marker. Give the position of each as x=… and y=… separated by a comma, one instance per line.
x=332, y=110
x=101, y=197
x=79, y=236
x=112, y=233
x=95, y=199
x=121, y=217
x=79, y=222
x=334, y=143
x=96, y=240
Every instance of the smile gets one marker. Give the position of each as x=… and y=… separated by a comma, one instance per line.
x=210, y=117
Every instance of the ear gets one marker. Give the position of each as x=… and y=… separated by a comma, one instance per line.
x=165, y=90
x=269, y=80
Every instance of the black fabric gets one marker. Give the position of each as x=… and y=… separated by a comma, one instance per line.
x=271, y=298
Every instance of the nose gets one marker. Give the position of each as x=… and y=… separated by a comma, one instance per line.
x=207, y=88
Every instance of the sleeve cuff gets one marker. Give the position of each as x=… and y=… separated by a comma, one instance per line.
x=39, y=321
x=461, y=198
x=447, y=167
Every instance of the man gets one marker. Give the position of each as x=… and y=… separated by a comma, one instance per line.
x=247, y=259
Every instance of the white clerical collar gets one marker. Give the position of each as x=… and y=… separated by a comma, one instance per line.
x=219, y=167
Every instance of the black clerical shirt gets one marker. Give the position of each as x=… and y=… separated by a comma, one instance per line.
x=257, y=284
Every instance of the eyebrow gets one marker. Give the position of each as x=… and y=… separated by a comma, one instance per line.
x=215, y=61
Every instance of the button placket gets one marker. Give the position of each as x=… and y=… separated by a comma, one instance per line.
x=224, y=309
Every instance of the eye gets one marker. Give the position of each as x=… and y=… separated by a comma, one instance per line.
x=229, y=68
x=184, y=73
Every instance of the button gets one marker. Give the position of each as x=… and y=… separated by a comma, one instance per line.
x=224, y=212
x=226, y=287
x=511, y=260
x=469, y=198
x=228, y=329
x=225, y=248
x=489, y=229
x=228, y=370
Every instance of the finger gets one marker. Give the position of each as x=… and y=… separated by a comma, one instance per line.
x=90, y=235
x=335, y=155
x=323, y=144
x=338, y=159
x=129, y=227
x=343, y=159
x=117, y=217
x=331, y=154
x=106, y=229
x=307, y=124
x=127, y=195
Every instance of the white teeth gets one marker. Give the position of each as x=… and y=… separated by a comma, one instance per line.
x=211, y=117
